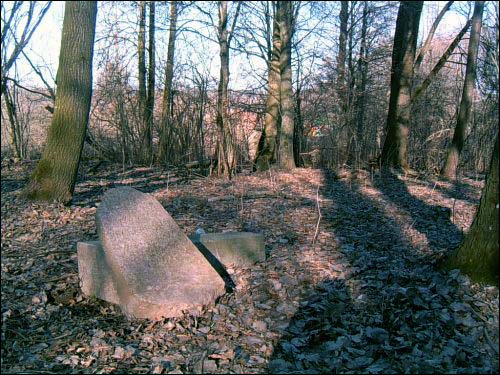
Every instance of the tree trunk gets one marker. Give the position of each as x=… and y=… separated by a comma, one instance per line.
x=394, y=151
x=150, y=98
x=361, y=91
x=55, y=175
x=341, y=57
x=298, y=135
x=266, y=153
x=477, y=255
x=141, y=51
x=227, y=160
x=16, y=138
x=286, y=159
x=167, y=91
x=450, y=167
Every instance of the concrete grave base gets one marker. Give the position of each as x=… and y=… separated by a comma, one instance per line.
x=239, y=248
x=94, y=272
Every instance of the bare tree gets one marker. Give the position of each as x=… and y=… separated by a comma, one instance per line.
x=477, y=255
x=286, y=25
x=266, y=153
x=55, y=175
x=226, y=156
x=167, y=91
x=143, y=97
x=394, y=152
x=13, y=44
x=452, y=158
x=150, y=98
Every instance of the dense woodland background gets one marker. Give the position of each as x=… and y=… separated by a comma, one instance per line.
x=341, y=81
x=361, y=138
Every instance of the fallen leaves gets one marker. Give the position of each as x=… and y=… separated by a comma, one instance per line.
x=364, y=298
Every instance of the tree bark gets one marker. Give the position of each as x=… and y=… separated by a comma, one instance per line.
x=266, y=153
x=477, y=255
x=361, y=91
x=226, y=153
x=16, y=136
x=150, y=97
x=394, y=151
x=453, y=155
x=55, y=175
x=341, y=57
x=167, y=91
x=286, y=159
x=141, y=51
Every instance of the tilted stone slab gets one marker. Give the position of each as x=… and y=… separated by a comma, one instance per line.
x=156, y=269
x=239, y=248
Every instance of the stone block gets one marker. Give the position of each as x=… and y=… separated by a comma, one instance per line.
x=94, y=273
x=239, y=248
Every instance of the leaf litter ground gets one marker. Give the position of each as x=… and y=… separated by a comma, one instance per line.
x=348, y=288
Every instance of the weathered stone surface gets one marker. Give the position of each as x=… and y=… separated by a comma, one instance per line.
x=94, y=273
x=240, y=248
x=156, y=269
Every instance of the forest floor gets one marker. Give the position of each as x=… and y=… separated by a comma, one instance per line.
x=356, y=293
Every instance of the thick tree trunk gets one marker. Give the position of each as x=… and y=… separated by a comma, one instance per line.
x=286, y=159
x=55, y=175
x=452, y=158
x=167, y=91
x=394, y=151
x=266, y=153
x=477, y=256
x=150, y=98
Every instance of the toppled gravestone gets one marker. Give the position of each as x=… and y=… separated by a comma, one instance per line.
x=155, y=269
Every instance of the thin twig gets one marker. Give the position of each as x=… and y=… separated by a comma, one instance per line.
x=319, y=216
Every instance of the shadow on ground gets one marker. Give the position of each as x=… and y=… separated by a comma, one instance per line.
x=389, y=311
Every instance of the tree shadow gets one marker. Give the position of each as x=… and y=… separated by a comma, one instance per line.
x=432, y=221
x=387, y=310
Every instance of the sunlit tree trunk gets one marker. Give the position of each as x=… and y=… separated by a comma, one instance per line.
x=167, y=91
x=452, y=158
x=55, y=175
x=477, y=256
x=266, y=154
x=286, y=159
x=394, y=151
